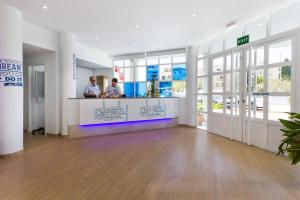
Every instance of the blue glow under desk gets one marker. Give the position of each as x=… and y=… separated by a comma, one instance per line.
x=89, y=117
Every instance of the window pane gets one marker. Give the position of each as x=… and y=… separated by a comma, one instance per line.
x=152, y=73
x=228, y=63
x=128, y=63
x=280, y=79
x=179, y=72
x=235, y=82
x=165, y=72
x=165, y=60
x=140, y=89
x=228, y=104
x=236, y=105
x=202, y=67
x=285, y=19
x=260, y=55
x=278, y=106
x=202, y=50
x=257, y=79
x=118, y=63
x=218, y=64
x=201, y=103
x=119, y=74
x=140, y=62
x=218, y=82
x=216, y=45
x=257, y=29
x=165, y=89
x=257, y=107
x=236, y=61
x=140, y=73
x=280, y=52
x=152, y=61
x=180, y=58
x=179, y=88
x=121, y=85
x=202, y=85
x=129, y=89
x=202, y=120
x=129, y=74
x=231, y=37
x=228, y=83
x=217, y=103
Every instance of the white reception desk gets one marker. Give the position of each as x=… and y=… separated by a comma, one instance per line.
x=88, y=117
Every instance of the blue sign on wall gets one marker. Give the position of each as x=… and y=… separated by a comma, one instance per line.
x=179, y=72
x=152, y=72
x=129, y=89
x=11, y=72
x=140, y=89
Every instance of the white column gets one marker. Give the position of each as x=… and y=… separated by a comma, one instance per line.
x=191, y=86
x=11, y=81
x=68, y=75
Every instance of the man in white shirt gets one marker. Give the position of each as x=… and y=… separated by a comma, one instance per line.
x=113, y=91
x=92, y=90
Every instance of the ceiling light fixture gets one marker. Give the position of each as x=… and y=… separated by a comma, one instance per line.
x=96, y=38
x=194, y=15
x=231, y=25
x=45, y=7
x=261, y=24
x=137, y=26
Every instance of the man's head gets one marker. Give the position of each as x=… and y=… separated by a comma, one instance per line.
x=93, y=80
x=114, y=82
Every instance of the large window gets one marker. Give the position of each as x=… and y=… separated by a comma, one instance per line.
x=169, y=71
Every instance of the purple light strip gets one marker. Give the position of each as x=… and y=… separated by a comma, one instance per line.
x=124, y=123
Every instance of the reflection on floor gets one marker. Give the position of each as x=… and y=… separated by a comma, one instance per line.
x=176, y=163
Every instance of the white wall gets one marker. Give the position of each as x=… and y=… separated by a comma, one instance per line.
x=92, y=55
x=108, y=72
x=82, y=79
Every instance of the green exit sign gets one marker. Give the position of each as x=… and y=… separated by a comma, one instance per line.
x=243, y=40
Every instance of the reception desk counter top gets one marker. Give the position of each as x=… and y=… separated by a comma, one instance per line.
x=92, y=113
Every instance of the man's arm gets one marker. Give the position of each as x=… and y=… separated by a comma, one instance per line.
x=86, y=93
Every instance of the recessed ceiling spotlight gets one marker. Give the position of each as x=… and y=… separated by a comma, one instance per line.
x=96, y=38
x=137, y=26
x=117, y=41
x=194, y=15
x=231, y=25
x=45, y=7
x=261, y=24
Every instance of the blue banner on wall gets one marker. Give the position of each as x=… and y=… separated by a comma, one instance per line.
x=11, y=72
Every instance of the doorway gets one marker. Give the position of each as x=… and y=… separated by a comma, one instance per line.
x=251, y=89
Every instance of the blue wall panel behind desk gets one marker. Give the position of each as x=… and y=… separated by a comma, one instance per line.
x=140, y=89
x=165, y=89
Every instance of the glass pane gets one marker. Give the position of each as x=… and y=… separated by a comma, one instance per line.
x=280, y=52
x=165, y=89
x=201, y=103
x=129, y=89
x=119, y=74
x=179, y=88
x=218, y=82
x=228, y=63
x=216, y=45
x=128, y=63
x=179, y=72
x=217, y=103
x=257, y=29
x=247, y=58
x=165, y=60
x=280, y=79
x=218, y=64
x=180, y=58
x=236, y=61
x=140, y=73
x=228, y=104
x=257, y=80
x=202, y=50
x=235, y=82
x=129, y=74
x=228, y=83
x=202, y=67
x=278, y=106
x=118, y=63
x=257, y=107
x=202, y=120
x=231, y=37
x=152, y=61
x=140, y=62
x=236, y=105
x=285, y=19
x=165, y=72
x=202, y=85
x=121, y=85
x=152, y=73
x=260, y=55
x=140, y=89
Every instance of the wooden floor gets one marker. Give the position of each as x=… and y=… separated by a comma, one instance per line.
x=176, y=163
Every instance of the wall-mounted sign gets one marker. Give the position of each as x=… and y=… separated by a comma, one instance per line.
x=74, y=67
x=153, y=111
x=11, y=72
x=112, y=113
x=243, y=40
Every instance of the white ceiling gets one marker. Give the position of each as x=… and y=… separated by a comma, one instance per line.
x=30, y=50
x=164, y=24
